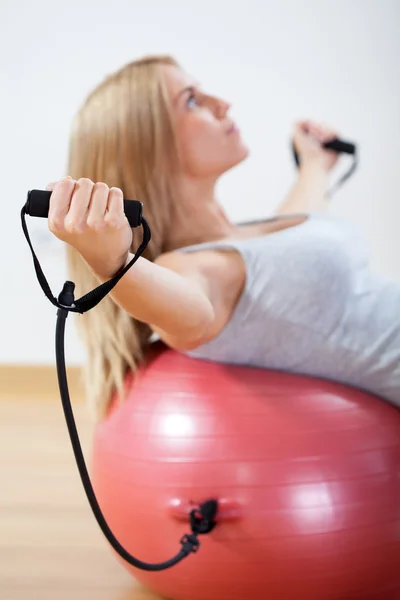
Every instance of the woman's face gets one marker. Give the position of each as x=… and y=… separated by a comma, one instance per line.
x=209, y=141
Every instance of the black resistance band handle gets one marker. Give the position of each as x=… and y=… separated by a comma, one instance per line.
x=336, y=145
x=38, y=202
x=340, y=146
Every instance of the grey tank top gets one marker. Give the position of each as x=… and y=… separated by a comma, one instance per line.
x=311, y=305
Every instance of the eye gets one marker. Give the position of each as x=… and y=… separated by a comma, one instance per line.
x=191, y=101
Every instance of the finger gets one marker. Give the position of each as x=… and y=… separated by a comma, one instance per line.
x=98, y=205
x=308, y=125
x=330, y=135
x=116, y=213
x=302, y=126
x=51, y=184
x=326, y=133
x=316, y=131
x=300, y=131
x=79, y=207
x=60, y=200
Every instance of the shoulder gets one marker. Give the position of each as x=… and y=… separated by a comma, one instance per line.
x=221, y=275
x=214, y=268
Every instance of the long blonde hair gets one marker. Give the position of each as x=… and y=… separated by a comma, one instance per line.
x=123, y=135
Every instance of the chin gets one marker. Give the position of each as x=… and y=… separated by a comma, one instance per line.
x=241, y=155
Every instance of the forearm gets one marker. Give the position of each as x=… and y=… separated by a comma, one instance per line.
x=161, y=297
x=308, y=193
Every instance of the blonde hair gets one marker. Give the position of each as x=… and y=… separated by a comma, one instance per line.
x=123, y=135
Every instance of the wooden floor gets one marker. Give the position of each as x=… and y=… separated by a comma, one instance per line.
x=51, y=547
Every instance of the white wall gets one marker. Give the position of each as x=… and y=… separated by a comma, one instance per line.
x=335, y=61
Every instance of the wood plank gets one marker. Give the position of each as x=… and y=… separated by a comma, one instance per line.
x=51, y=547
x=19, y=382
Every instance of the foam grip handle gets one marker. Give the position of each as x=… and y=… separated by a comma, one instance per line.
x=38, y=203
x=340, y=146
x=336, y=144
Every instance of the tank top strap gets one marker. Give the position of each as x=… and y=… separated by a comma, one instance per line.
x=241, y=245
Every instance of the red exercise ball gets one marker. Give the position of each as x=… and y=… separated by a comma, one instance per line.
x=306, y=471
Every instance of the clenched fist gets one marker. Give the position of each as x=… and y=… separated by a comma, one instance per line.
x=90, y=217
x=308, y=138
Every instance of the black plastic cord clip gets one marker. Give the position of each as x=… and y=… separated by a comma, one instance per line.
x=202, y=519
x=201, y=522
x=190, y=543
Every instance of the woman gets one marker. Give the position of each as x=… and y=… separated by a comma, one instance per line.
x=293, y=292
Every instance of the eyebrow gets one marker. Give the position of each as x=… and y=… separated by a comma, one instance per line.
x=190, y=88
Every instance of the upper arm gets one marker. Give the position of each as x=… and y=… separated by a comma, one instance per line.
x=219, y=275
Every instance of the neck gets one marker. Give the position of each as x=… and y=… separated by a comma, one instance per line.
x=201, y=218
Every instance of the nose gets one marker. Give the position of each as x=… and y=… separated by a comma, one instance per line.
x=220, y=107
x=223, y=108
x=217, y=106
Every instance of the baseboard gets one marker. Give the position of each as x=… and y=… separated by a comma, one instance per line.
x=38, y=381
